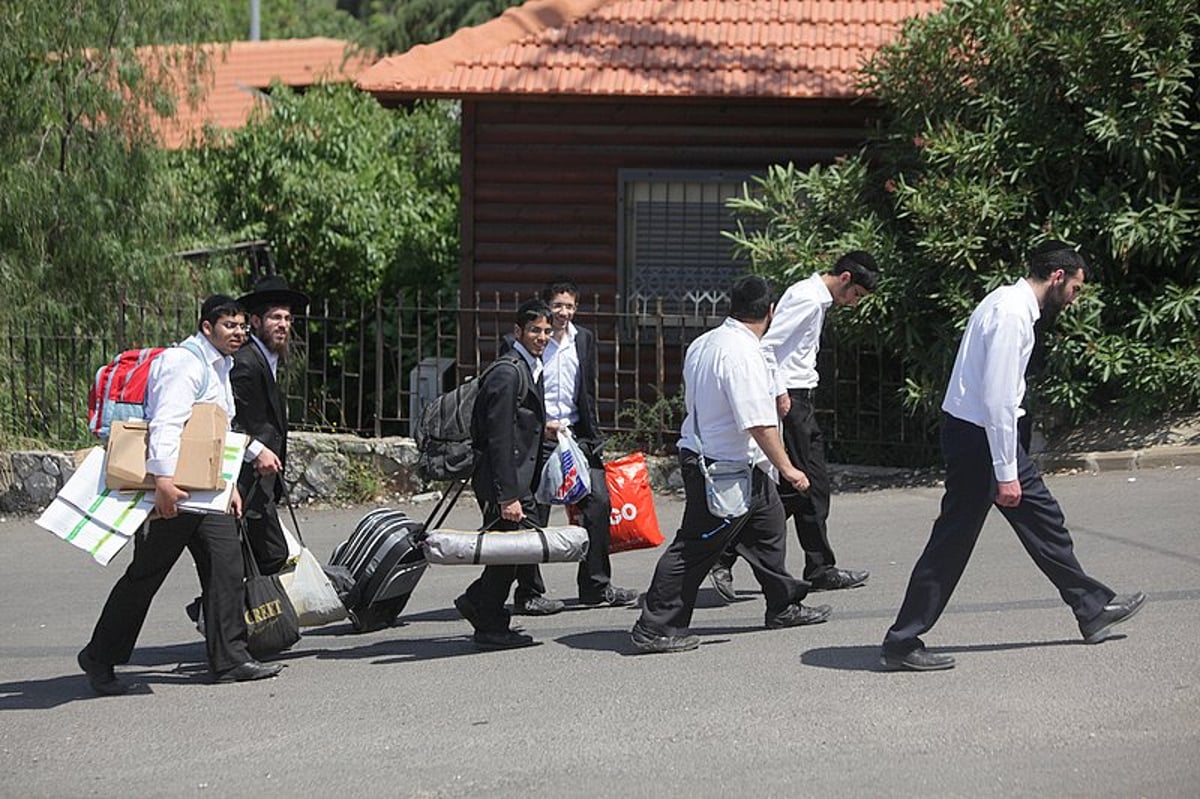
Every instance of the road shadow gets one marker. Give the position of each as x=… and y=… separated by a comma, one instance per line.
x=403, y=650
x=150, y=667
x=866, y=658
x=618, y=641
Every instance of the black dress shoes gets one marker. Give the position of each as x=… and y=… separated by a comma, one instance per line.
x=1121, y=608
x=919, y=659
x=837, y=579
x=100, y=675
x=797, y=615
x=646, y=640
x=722, y=583
x=501, y=639
x=250, y=670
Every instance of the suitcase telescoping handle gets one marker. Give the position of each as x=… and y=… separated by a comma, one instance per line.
x=442, y=509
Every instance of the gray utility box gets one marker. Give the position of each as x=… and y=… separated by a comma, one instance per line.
x=427, y=380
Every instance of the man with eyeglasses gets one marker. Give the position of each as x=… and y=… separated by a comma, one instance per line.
x=262, y=414
x=178, y=380
x=569, y=371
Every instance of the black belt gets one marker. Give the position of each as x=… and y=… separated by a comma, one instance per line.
x=806, y=393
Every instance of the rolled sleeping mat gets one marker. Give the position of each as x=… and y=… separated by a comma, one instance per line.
x=516, y=547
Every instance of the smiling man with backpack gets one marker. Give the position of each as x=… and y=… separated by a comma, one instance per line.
x=507, y=421
x=178, y=380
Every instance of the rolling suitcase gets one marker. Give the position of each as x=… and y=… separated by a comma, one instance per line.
x=383, y=560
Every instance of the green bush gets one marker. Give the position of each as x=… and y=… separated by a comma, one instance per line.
x=1010, y=123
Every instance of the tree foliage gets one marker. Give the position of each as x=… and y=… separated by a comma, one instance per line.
x=85, y=210
x=282, y=19
x=354, y=198
x=393, y=26
x=1009, y=123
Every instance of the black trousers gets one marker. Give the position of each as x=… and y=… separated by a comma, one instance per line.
x=214, y=543
x=759, y=537
x=595, y=571
x=970, y=493
x=489, y=592
x=809, y=512
x=262, y=525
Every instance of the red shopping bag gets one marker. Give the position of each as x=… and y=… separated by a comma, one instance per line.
x=633, y=522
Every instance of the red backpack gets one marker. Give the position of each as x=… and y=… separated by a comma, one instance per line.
x=118, y=393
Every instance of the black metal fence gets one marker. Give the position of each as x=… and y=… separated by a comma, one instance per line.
x=368, y=368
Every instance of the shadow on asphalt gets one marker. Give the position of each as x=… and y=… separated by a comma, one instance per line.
x=188, y=668
x=618, y=640
x=866, y=658
x=400, y=650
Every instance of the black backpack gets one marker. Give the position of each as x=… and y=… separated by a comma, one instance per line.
x=444, y=447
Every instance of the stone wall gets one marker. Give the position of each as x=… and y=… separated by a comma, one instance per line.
x=322, y=468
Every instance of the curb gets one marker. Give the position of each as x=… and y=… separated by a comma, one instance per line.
x=1120, y=460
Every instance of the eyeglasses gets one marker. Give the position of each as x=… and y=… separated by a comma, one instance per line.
x=231, y=326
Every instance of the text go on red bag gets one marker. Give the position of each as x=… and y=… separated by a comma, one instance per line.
x=633, y=523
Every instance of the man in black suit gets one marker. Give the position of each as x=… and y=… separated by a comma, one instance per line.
x=570, y=365
x=506, y=429
x=262, y=414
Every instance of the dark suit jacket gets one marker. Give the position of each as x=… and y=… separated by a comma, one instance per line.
x=261, y=411
x=506, y=430
x=587, y=429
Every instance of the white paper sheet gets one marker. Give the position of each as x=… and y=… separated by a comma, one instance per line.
x=101, y=521
x=95, y=519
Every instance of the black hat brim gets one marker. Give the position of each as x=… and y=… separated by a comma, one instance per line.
x=258, y=300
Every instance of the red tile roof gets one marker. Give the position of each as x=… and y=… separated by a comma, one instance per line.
x=239, y=70
x=653, y=48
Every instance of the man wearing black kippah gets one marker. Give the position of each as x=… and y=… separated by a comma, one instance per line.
x=987, y=463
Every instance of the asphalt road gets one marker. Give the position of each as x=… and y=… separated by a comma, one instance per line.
x=415, y=711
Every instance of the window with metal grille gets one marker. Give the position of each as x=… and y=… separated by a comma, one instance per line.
x=673, y=253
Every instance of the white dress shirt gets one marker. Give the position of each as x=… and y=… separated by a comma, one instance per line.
x=988, y=381
x=794, y=338
x=561, y=371
x=535, y=364
x=174, y=386
x=727, y=390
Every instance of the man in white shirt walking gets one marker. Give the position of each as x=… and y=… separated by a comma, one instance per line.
x=178, y=380
x=731, y=417
x=791, y=346
x=986, y=464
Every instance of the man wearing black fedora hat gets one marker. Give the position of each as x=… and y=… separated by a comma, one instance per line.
x=262, y=414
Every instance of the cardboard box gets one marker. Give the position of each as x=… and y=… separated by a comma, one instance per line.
x=201, y=448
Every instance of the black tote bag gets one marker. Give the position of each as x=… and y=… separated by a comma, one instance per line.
x=271, y=622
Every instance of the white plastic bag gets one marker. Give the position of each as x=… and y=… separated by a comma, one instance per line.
x=312, y=594
x=566, y=477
